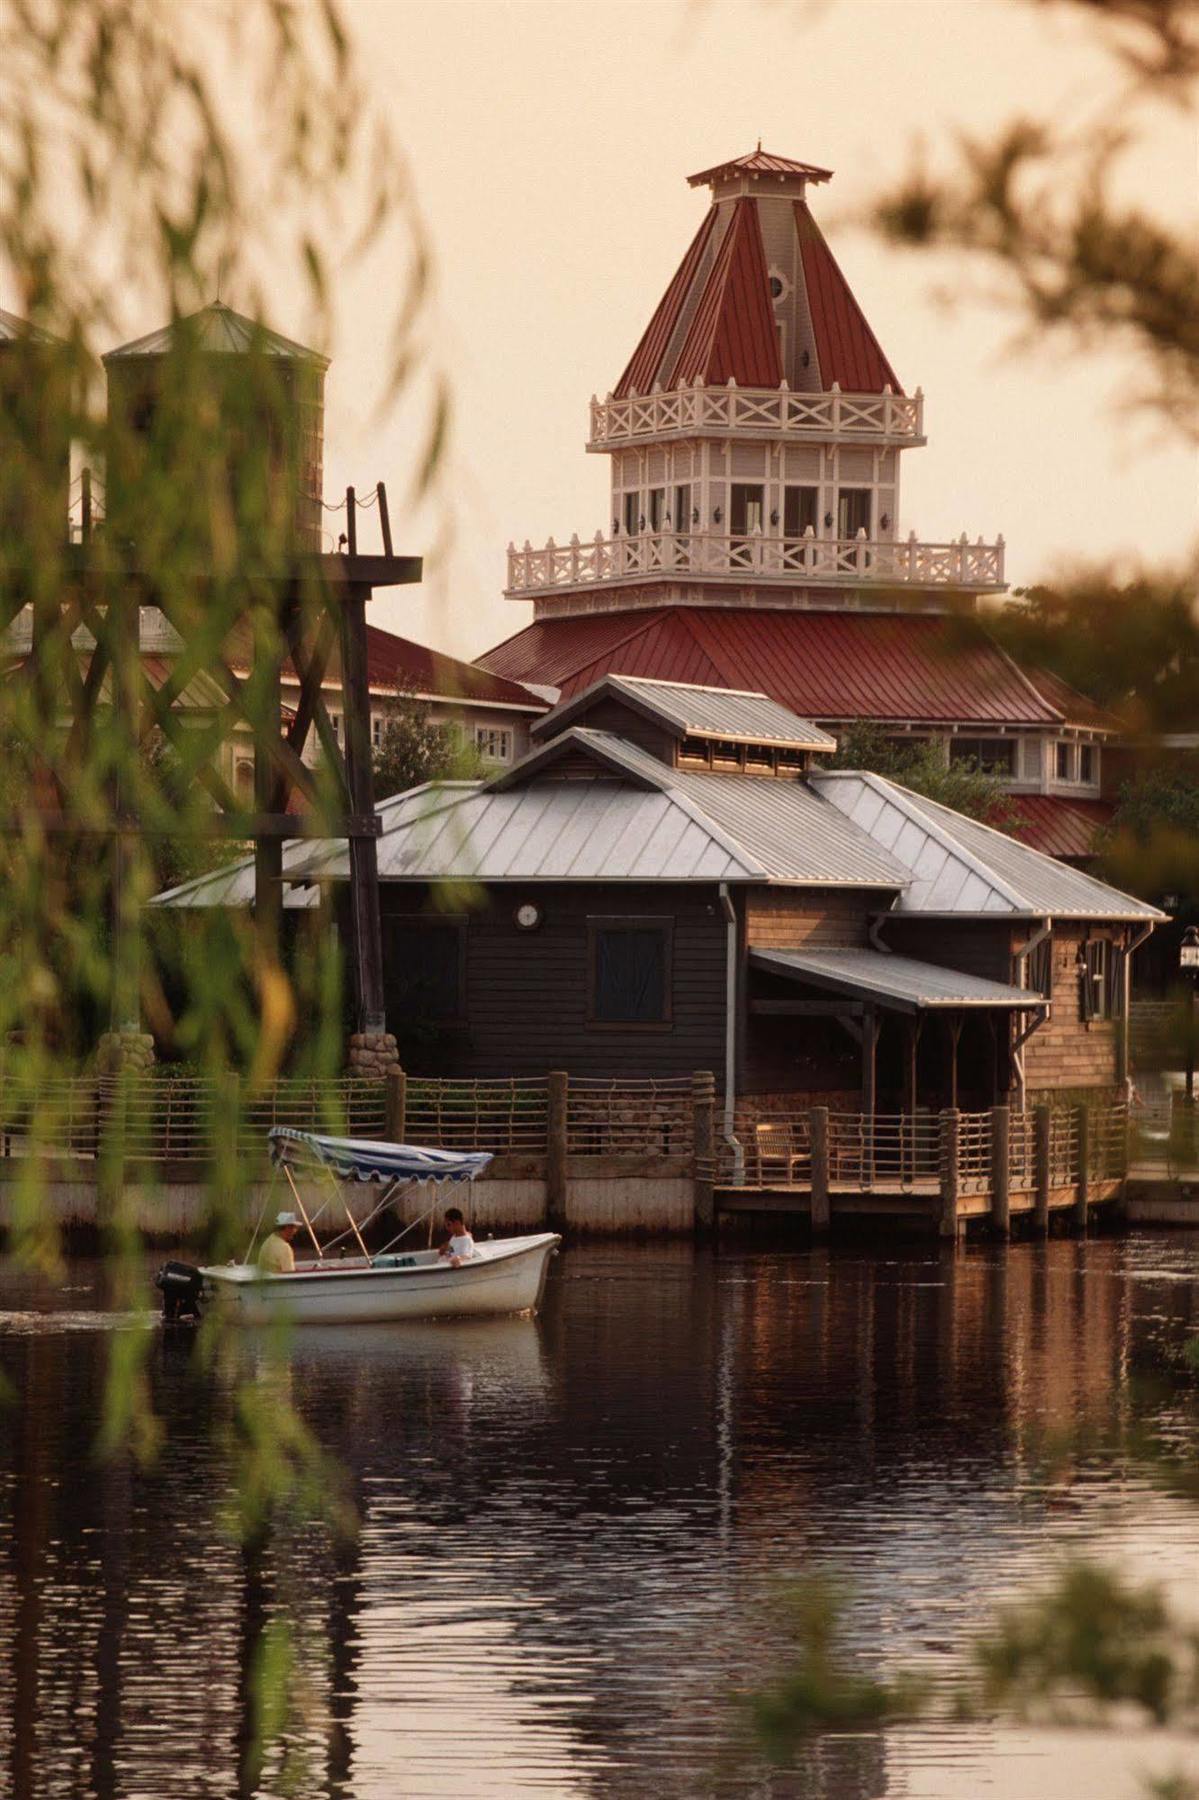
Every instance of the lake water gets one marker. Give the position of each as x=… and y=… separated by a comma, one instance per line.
x=574, y=1530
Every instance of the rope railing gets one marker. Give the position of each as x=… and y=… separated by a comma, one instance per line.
x=974, y=1152
x=885, y=1150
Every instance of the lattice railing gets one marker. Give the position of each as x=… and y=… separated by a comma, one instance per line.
x=1063, y=1148
x=507, y=1117
x=636, y=1118
x=769, y=411
x=703, y=553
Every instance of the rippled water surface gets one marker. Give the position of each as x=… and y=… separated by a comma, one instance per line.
x=574, y=1529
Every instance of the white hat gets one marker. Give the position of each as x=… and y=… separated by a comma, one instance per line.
x=285, y=1218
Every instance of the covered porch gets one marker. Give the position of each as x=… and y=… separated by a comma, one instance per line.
x=905, y=1037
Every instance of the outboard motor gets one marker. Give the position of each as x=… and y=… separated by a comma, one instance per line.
x=181, y=1287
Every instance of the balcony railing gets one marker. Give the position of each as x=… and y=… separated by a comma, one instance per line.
x=769, y=412
x=710, y=556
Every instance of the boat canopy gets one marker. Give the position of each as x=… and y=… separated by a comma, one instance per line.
x=365, y=1159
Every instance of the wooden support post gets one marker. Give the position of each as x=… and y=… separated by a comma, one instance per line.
x=1001, y=1171
x=703, y=1107
x=950, y=1171
x=395, y=1106
x=351, y=522
x=366, y=937
x=557, y=1098
x=869, y=1090
x=384, y=520
x=821, y=1203
x=1042, y=1129
x=1082, y=1193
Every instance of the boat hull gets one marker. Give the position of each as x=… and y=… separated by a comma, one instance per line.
x=507, y=1276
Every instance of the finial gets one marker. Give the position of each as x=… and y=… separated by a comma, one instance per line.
x=759, y=146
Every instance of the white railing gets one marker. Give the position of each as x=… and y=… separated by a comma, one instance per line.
x=712, y=555
x=751, y=411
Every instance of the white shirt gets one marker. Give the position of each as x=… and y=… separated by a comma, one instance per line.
x=462, y=1246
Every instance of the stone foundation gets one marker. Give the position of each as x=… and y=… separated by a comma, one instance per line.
x=128, y=1051
x=372, y=1055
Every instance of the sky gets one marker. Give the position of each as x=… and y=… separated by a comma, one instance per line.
x=550, y=145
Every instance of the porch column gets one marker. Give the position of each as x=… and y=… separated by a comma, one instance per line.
x=953, y=1022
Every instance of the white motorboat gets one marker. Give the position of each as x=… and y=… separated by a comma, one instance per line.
x=504, y=1275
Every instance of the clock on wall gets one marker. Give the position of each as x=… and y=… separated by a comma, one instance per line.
x=528, y=916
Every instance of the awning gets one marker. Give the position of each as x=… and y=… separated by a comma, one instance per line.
x=900, y=983
x=363, y=1159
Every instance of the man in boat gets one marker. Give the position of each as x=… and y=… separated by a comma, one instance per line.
x=460, y=1245
x=277, y=1256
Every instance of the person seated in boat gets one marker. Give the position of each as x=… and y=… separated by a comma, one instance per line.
x=276, y=1256
x=460, y=1246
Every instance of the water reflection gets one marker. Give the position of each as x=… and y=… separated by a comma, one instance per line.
x=572, y=1528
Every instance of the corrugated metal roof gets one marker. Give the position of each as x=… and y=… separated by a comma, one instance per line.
x=759, y=162
x=219, y=331
x=894, y=981
x=733, y=334
x=958, y=865
x=15, y=330
x=847, y=350
x=646, y=360
x=822, y=665
x=1057, y=826
x=736, y=714
x=786, y=827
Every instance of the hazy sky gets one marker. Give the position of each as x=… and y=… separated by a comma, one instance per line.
x=551, y=143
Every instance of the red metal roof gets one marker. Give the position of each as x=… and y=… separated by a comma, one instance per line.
x=1075, y=708
x=733, y=332
x=846, y=349
x=647, y=357
x=759, y=162
x=1058, y=826
x=827, y=666
x=395, y=661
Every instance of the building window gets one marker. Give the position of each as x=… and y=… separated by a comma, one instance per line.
x=1063, y=762
x=994, y=756
x=853, y=512
x=759, y=758
x=630, y=971
x=727, y=755
x=694, y=753
x=799, y=510
x=424, y=969
x=657, y=508
x=1040, y=968
x=745, y=508
x=680, y=518
x=632, y=513
x=494, y=743
x=1100, y=980
x=1086, y=765
x=377, y=724
x=335, y=721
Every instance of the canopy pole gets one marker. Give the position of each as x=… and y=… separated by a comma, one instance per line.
x=308, y=1222
x=354, y=1228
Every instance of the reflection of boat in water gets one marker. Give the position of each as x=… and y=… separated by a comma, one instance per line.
x=488, y=1353
x=504, y=1275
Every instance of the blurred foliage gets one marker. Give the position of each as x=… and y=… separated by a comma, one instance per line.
x=920, y=765
x=416, y=748
x=820, y=1690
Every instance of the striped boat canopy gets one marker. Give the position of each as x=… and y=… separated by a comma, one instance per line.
x=365, y=1159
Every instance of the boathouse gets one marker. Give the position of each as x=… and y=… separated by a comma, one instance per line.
x=671, y=881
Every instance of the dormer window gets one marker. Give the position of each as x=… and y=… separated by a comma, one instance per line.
x=694, y=753
x=1063, y=762
x=726, y=755
x=1086, y=765
x=791, y=762
x=759, y=759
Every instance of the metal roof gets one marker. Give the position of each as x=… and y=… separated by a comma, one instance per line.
x=15, y=330
x=847, y=351
x=731, y=713
x=1057, y=825
x=220, y=331
x=959, y=865
x=759, y=162
x=733, y=335
x=527, y=824
x=889, y=667
x=901, y=983
x=642, y=368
